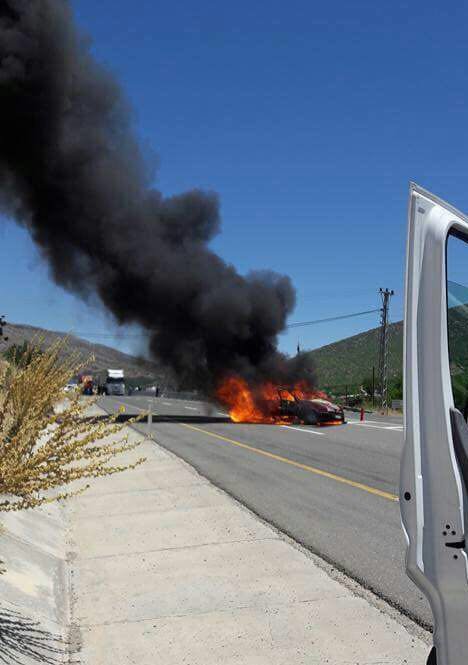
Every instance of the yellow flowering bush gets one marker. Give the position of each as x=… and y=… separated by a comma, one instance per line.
x=46, y=441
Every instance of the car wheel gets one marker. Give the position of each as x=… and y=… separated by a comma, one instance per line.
x=311, y=419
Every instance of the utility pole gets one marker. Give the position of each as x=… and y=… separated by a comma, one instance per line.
x=3, y=338
x=385, y=294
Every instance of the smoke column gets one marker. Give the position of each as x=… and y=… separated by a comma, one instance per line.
x=71, y=172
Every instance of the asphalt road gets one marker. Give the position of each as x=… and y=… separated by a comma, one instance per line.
x=332, y=489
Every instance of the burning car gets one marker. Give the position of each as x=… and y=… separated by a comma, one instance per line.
x=269, y=403
x=315, y=411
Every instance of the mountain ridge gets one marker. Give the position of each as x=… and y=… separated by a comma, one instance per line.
x=105, y=357
x=349, y=361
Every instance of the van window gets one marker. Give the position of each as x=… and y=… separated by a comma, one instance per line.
x=457, y=318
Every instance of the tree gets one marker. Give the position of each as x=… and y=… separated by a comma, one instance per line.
x=21, y=354
x=43, y=449
x=395, y=388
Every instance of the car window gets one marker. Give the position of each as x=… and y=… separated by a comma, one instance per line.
x=457, y=319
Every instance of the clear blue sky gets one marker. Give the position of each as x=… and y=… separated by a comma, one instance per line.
x=309, y=119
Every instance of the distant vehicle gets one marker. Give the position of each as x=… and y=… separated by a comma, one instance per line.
x=71, y=387
x=115, y=382
x=309, y=411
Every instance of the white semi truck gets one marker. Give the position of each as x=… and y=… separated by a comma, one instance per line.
x=115, y=382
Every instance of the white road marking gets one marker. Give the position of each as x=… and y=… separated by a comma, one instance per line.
x=192, y=408
x=304, y=431
x=374, y=422
x=398, y=428
x=167, y=403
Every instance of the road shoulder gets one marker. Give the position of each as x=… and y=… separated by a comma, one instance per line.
x=169, y=568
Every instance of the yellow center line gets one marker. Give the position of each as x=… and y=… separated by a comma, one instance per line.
x=298, y=465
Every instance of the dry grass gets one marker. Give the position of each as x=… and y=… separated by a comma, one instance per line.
x=43, y=450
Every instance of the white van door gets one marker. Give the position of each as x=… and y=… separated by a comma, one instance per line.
x=434, y=468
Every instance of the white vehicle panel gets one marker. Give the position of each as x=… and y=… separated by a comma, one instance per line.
x=432, y=494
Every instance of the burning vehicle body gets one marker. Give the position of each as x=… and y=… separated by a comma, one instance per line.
x=310, y=411
x=268, y=403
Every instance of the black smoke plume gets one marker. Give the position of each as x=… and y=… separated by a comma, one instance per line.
x=72, y=173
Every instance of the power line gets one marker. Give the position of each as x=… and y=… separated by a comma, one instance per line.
x=291, y=325
x=331, y=318
x=140, y=335
x=109, y=335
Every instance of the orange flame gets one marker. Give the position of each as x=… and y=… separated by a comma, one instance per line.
x=260, y=403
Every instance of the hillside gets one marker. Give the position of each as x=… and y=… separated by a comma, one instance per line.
x=347, y=362
x=350, y=361
x=104, y=356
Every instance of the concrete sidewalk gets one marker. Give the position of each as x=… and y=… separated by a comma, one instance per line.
x=168, y=569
